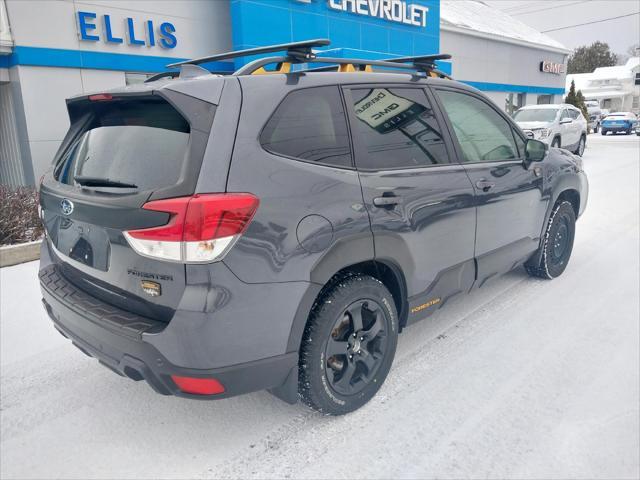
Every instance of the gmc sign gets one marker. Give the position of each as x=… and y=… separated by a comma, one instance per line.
x=547, y=66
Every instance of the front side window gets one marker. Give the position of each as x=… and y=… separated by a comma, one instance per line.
x=483, y=135
x=397, y=129
x=309, y=125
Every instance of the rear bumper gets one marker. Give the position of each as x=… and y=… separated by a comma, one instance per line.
x=145, y=349
x=140, y=360
x=617, y=128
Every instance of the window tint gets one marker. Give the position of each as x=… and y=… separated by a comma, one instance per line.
x=521, y=144
x=141, y=142
x=310, y=125
x=397, y=128
x=535, y=115
x=482, y=133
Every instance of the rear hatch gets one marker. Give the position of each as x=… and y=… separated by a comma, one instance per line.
x=122, y=151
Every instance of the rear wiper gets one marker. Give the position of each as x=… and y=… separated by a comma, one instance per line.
x=101, y=182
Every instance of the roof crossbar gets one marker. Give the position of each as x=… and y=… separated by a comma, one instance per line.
x=299, y=52
x=425, y=63
x=359, y=63
x=421, y=63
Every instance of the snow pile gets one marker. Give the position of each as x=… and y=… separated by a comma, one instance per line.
x=478, y=16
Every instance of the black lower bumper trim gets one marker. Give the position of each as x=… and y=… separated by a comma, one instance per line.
x=139, y=360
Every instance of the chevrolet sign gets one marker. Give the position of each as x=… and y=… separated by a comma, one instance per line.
x=392, y=10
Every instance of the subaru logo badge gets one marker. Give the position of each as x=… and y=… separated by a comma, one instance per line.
x=66, y=206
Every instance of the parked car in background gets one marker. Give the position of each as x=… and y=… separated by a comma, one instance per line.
x=619, y=122
x=595, y=115
x=638, y=129
x=560, y=125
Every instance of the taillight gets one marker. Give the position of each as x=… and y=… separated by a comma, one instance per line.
x=201, y=229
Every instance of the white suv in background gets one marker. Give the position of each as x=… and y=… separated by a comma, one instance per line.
x=560, y=125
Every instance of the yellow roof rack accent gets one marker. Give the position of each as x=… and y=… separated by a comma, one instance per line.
x=350, y=67
x=284, y=67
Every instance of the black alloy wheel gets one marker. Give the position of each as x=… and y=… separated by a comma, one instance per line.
x=356, y=347
x=348, y=344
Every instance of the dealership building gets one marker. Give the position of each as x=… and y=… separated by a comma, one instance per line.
x=52, y=50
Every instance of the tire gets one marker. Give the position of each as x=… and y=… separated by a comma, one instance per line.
x=556, y=142
x=603, y=132
x=595, y=129
x=365, y=357
x=581, y=144
x=557, y=244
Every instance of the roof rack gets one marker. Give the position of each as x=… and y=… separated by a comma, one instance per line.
x=299, y=51
x=302, y=52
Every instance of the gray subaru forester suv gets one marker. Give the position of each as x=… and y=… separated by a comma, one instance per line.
x=277, y=228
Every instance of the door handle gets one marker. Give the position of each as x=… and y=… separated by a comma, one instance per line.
x=386, y=201
x=485, y=185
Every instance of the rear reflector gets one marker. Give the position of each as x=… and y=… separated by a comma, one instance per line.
x=198, y=386
x=201, y=228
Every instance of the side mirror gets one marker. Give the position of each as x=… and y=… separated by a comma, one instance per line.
x=535, y=151
x=565, y=120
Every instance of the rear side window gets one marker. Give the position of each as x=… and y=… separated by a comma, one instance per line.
x=309, y=125
x=140, y=142
x=398, y=129
x=483, y=134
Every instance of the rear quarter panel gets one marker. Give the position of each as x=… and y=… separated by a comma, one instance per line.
x=301, y=203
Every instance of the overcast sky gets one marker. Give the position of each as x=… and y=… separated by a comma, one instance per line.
x=551, y=14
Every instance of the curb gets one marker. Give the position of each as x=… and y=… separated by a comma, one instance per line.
x=15, y=254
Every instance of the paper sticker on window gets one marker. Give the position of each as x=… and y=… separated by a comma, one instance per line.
x=385, y=112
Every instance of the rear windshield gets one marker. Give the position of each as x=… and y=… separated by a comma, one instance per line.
x=536, y=115
x=139, y=142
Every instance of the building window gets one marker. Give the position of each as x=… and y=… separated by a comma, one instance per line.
x=637, y=78
x=514, y=102
x=545, y=99
x=635, y=103
x=131, y=78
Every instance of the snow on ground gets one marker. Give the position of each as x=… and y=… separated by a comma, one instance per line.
x=523, y=378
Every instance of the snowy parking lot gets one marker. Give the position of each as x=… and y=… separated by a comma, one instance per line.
x=522, y=378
